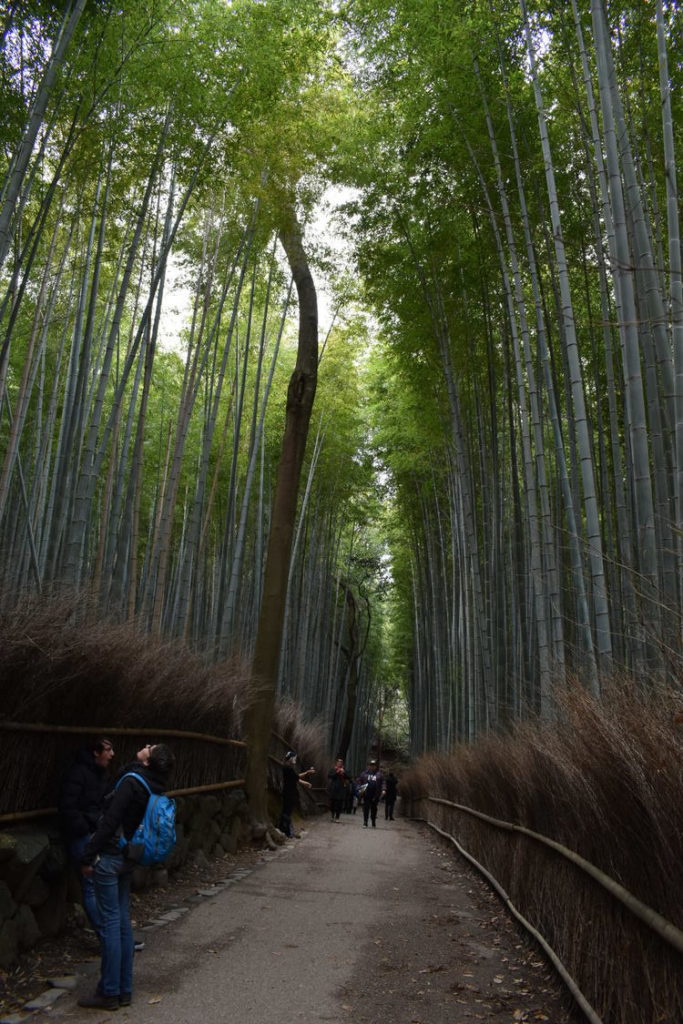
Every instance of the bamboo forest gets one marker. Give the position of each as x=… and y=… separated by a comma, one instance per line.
x=471, y=211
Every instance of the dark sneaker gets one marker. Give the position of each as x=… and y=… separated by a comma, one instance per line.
x=125, y=999
x=139, y=945
x=99, y=1002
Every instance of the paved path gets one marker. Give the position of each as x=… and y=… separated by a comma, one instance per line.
x=344, y=926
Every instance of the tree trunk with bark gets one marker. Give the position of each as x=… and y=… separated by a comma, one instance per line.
x=300, y=395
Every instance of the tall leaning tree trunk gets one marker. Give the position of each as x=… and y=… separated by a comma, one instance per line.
x=300, y=395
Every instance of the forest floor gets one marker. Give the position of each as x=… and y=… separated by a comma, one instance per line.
x=345, y=925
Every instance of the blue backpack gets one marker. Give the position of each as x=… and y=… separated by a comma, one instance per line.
x=154, y=838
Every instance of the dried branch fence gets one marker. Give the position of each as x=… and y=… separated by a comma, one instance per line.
x=659, y=924
x=659, y=995
x=38, y=728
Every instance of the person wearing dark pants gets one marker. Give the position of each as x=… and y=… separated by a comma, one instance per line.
x=80, y=805
x=291, y=778
x=337, y=787
x=371, y=783
x=390, y=791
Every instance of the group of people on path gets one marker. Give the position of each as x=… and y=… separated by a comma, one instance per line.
x=345, y=792
x=99, y=817
x=368, y=789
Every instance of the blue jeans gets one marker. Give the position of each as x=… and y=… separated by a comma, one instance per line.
x=112, y=892
x=77, y=849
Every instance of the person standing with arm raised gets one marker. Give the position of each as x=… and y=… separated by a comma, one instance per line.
x=291, y=780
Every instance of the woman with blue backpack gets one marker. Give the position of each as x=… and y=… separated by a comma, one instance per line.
x=135, y=827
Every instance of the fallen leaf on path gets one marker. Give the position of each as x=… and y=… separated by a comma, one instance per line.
x=154, y=999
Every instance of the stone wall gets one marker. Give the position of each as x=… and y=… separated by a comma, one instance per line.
x=39, y=887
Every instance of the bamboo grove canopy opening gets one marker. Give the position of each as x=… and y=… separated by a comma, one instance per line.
x=491, y=499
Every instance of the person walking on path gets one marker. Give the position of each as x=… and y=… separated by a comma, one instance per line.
x=371, y=783
x=338, y=783
x=110, y=868
x=390, y=791
x=80, y=805
x=291, y=779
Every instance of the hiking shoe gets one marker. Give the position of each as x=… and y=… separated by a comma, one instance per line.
x=125, y=999
x=138, y=945
x=99, y=1002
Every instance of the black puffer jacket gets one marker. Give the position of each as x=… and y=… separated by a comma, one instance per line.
x=124, y=810
x=82, y=793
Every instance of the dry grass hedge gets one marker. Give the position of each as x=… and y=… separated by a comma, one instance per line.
x=606, y=781
x=60, y=664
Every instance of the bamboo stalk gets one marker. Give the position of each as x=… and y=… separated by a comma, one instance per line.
x=118, y=731
x=40, y=812
x=233, y=784
x=44, y=812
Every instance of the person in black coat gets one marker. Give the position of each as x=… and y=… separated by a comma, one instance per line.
x=105, y=860
x=390, y=791
x=291, y=780
x=338, y=783
x=80, y=805
x=371, y=784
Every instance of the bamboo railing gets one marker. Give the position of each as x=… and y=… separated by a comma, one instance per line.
x=41, y=727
